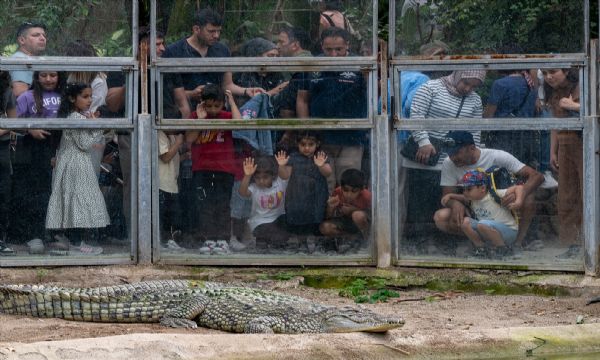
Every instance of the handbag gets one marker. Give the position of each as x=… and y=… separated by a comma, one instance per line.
x=409, y=150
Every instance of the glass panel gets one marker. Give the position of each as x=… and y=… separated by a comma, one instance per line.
x=437, y=28
x=327, y=94
x=523, y=93
x=62, y=28
x=226, y=197
x=241, y=21
x=63, y=195
x=546, y=229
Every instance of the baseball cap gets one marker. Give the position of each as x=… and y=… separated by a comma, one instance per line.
x=459, y=139
x=474, y=178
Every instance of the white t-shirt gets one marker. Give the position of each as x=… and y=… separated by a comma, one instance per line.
x=168, y=172
x=451, y=174
x=267, y=204
x=488, y=209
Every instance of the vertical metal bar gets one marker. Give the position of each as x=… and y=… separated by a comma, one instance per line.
x=135, y=27
x=375, y=25
x=392, y=29
x=382, y=220
x=155, y=228
x=144, y=190
x=591, y=171
x=586, y=27
x=144, y=77
x=152, y=31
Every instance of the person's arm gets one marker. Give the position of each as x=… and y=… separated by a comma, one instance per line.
x=19, y=87
x=228, y=84
x=533, y=179
x=192, y=135
x=249, y=170
x=277, y=89
x=333, y=202
x=320, y=160
x=173, y=150
x=452, y=196
x=554, y=150
x=458, y=207
x=282, y=168
x=490, y=110
x=568, y=103
x=181, y=102
x=235, y=111
x=302, y=104
x=115, y=98
x=3, y=132
x=519, y=193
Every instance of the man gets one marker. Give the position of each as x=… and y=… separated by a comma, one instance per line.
x=464, y=156
x=115, y=107
x=340, y=95
x=292, y=42
x=202, y=43
x=31, y=38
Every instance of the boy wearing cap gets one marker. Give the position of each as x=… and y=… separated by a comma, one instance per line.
x=488, y=221
x=464, y=155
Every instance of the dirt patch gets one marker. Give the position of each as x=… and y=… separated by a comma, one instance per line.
x=432, y=317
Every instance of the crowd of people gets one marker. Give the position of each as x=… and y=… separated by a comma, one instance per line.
x=276, y=191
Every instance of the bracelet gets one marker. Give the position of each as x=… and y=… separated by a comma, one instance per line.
x=245, y=90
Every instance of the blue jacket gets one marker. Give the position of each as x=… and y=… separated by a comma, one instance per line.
x=259, y=107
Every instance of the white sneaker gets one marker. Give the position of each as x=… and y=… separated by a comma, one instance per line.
x=549, y=181
x=235, y=245
x=172, y=245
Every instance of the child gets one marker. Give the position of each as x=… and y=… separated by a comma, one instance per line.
x=307, y=193
x=214, y=164
x=489, y=221
x=76, y=202
x=168, y=172
x=348, y=209
x=34, y=153
x=267, y=217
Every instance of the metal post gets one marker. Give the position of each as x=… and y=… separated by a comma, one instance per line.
x=144, y=188
x=591, y=145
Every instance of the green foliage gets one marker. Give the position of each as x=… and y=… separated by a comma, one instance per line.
x=359, y=289
x=482, y=26
x=283, y=276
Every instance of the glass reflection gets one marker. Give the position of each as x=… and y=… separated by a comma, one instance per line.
x=282, y=198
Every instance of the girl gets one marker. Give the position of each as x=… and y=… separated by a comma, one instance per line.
x=561, y=88
x=307, y=192
x=34, y=152
x=267, y=193
x=76, y=202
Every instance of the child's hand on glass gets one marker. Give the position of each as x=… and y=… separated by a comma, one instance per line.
x=249, y=166
x=320, y=158
x=282, y=158
x=201, y=111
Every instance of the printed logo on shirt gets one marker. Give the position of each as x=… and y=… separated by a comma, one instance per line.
x=271, y=201
x=208, y=136
x=482, y=213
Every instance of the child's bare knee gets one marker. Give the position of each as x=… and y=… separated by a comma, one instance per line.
x=359, y=217
x=327, y=228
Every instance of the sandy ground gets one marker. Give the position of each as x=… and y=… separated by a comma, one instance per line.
x=437, y=319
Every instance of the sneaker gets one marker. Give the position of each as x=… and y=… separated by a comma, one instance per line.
x=549, y=181
x=36, y=246
x=574, y=251
x=311, y=244
x=235, y=245
x=5, y=250
x=172, y=245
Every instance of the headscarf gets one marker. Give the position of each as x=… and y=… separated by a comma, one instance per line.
x=256, y=47
x=452, y=80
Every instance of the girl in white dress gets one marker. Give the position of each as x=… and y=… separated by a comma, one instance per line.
x=76, y=203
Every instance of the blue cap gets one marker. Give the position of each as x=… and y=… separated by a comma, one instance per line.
x=460, y=139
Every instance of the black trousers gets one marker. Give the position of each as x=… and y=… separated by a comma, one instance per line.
x=213, y=194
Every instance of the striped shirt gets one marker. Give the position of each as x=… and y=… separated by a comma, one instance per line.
x=433, y=100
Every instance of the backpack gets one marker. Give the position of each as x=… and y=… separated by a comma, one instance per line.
x=500, y=178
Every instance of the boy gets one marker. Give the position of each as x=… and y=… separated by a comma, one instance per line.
x=168, y=172
x=489, y=221
x=348, y=209
x=214, y=165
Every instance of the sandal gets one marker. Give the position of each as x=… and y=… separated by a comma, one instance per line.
x=85, y=249
x=5, y=250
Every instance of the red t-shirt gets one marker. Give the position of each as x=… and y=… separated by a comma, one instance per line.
x=213, y=149
x=362, y=201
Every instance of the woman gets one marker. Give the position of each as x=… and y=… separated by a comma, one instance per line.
x=561, y=87
x=451, y=96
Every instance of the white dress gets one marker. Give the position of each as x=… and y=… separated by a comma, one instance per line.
x=76, y=200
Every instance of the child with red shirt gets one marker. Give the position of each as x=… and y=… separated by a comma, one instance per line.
x=349, y=209
x=214, y=164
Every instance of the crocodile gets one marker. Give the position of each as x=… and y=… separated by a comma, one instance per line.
x=189, y=303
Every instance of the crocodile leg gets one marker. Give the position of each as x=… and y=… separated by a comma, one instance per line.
x=264, y=325
x=184, y=314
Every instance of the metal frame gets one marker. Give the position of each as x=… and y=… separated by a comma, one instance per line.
x=587, y=122
x=126, y=64
x=182, y=65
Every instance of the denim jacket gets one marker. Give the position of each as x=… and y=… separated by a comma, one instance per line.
x=257, y=107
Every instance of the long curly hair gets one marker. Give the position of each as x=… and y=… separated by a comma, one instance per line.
x=38, y=90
